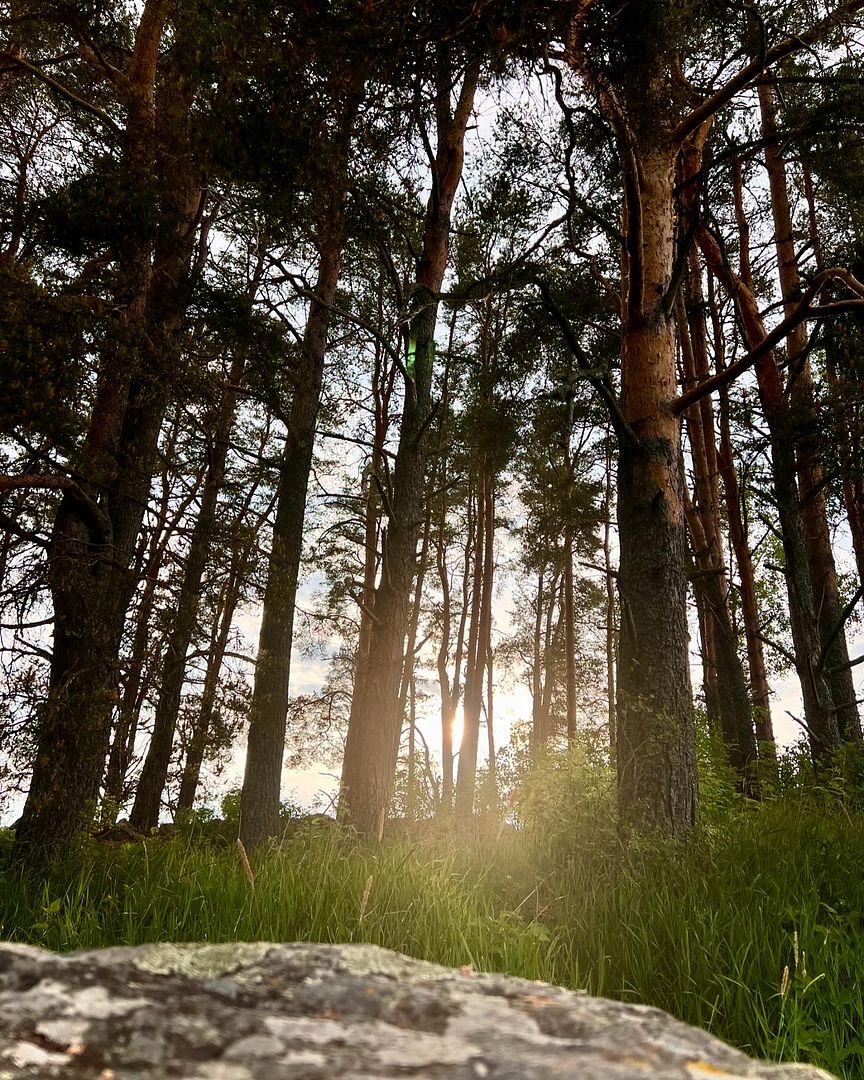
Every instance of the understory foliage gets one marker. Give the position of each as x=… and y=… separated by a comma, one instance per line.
x=752, y=929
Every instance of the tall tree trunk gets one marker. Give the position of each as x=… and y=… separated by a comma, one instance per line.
x=90, y=554
x=851, y=475
x=259, y=801
x=806, y=426
x=733, y=703
x=144, y=651
x=569, y=636
x=726, y=691
x=849, y=447
x=656, y=740
x=760, y=692
x=537, y=658
x=244, y=548
x=383, y=379
x=369, y=764
x=473, y=677
x=220, y=633
x=542, y=732
x=411, y=790
x=611, y=606
x=443, y=674
x=148, y=797
x=125, y=729
x=408, y=688
x=823, y=732
x=450, y=694
x=489, y=708
x=479, y=644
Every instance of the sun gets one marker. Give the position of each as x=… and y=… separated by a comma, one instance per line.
x=458, y=727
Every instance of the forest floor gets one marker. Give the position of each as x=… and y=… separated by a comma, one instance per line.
x=753, y=929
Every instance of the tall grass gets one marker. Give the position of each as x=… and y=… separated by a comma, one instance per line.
x=754, y=930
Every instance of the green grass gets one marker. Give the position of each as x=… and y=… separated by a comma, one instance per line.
x=704, y=930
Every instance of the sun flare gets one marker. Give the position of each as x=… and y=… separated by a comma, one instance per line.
x=458, y=727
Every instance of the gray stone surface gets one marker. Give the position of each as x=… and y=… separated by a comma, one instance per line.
x=312, y=1012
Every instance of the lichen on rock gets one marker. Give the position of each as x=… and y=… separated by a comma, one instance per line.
x=246, y=1011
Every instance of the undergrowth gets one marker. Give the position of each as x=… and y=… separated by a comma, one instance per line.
x=753, y=929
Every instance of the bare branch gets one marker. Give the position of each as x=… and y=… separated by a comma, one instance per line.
x=757, y=66
x=841, y=622
x=803, y=311
x=605, y=391
x=98, y=522
x=59, y=88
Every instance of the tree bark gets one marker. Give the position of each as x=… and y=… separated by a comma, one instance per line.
x=135, y=684
x=611, y=608
x=827, y=602
x=369, y=764
x=408, y=687
x=383, y=379
x=848, y=444
x=846, y=432
x=727, y=695
x=492, y=761
x=760, y=691
x=542, y=731
x=823, y=732
x=537, y=658
x=218, y=646
x=656, y=741
x=450, y=694
x=733, y=702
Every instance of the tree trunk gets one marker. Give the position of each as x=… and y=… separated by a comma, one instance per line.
x=656, y=740
x=835, y=362
x=411, y=789
x=549, y=671
x=732, y=702
x=383, y=379
x=760, y=692
x=849, y=449
x=726, y=683
x=492, y=766
x=537, y=659
x=806, y=426
x=611, y=606
x=450, y=694
x=259, y=801
x=218, y=645
x=369, y=764
x=90, y=554
x=479, y=645
x=819, y=716
x=148, y=797
x=569, y=636
x=244, y=548
x=408, y=688
x=125, y=730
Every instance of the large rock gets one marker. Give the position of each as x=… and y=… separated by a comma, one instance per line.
x=274, y=1012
